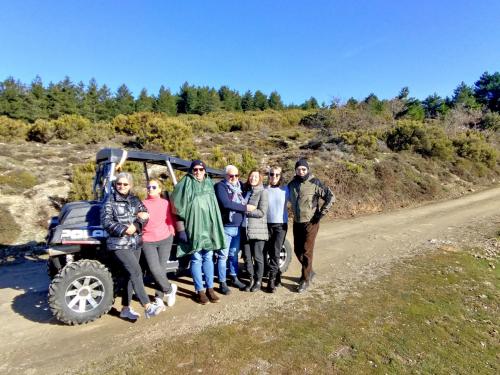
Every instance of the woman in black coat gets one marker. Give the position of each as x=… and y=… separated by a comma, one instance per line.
x=123, y=216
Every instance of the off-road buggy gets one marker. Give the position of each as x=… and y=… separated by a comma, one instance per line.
x=84, y=275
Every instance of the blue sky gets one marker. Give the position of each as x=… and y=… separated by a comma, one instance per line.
x=327, y=49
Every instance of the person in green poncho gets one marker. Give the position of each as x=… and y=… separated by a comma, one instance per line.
x=199, y=226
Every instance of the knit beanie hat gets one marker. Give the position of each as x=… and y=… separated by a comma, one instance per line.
x=302, y=163
x=196, y=163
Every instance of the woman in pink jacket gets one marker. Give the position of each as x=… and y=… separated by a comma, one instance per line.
x=157, y=236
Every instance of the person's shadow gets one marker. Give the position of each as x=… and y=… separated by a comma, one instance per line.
x=27, y=274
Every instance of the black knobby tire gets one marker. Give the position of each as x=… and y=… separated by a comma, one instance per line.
x=285, y=256
x=81, y=292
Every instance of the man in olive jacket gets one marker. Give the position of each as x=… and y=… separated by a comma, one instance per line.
x=305, y=193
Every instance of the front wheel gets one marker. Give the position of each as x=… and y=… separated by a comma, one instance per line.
x=285, y=256
x=81, y=292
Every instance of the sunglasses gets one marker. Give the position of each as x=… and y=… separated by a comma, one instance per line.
x=198, y=169
x=152, y=187
x=122, y=184
x=233, y=175
x=274, y=174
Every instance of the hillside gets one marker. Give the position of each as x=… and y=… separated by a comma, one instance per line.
x=373, y=161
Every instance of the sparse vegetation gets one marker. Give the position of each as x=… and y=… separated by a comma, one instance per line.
x=9, y=229
x=17, y=181
x=435, y=314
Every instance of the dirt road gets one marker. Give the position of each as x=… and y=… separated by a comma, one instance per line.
x=347, y=251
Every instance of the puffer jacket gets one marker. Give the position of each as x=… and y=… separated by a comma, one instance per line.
x=257, y=219
x=117, y=213
x=305, y=196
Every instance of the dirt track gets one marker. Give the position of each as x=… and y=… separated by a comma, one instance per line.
x=347, y=251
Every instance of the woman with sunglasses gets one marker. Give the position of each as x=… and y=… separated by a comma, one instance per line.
x=254, y=230
x=277, y=224
x=157, y=239
x=123, y=216
x=199, y=228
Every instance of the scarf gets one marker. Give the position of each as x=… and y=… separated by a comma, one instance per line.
x=236, y=195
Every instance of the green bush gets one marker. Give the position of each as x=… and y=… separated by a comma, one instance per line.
x=12, y=129
x=426, y=140
x=42, y=131
x=79, y=129
x=17, y=181
x=81, y=182
x=491, y=120
x=365, y=143
x=473, y=146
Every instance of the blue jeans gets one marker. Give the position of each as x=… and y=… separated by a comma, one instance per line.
x=232, y=235
x=202, y=264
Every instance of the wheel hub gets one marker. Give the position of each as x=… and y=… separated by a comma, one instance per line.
x=84, y=294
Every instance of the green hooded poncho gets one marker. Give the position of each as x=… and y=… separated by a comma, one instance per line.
x=195, y=203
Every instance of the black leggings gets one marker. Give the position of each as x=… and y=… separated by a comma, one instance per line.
x=130, y=262
x=157, y=254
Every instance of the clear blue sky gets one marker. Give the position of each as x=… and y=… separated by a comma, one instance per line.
x=301, y=48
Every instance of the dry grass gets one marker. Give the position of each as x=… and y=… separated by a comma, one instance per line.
x=436, y=314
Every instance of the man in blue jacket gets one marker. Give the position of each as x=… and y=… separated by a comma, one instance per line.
x=232, y=207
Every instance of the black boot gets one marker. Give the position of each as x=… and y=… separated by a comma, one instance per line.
x=257, y=285
x=249, y=286
x=277, y=281
x=237, y=283
x=271, y=287
x=224, y=289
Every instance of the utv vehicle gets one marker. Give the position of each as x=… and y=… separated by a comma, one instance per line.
x=83, y=273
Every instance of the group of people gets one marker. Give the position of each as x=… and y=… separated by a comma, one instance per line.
x=208, y=219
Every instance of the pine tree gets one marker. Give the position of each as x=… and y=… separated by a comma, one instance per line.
x=274, y=101
x=124, y=101
x=260, y=100
x=144, y=102
x=165, y=102
x=247, y=102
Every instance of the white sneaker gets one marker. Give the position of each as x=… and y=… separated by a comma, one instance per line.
x=128, y=313
x=154, y=309
x=171, y=296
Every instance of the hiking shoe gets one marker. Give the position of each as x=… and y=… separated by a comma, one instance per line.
x=171, y=296
x=212, y=296
x=128, y=313
x=312, y=275
x=237, y=283
x=256, y=286
x=201, y=297
x=277, y=282
x=303, y=286
x=153, y=309
x=224, y=289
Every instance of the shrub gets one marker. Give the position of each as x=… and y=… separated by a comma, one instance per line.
x=365, y=143
x=42, y=131
x=81, y=182
x=79, y=129
x=16, y=181
x=473, y=146
x=429, y=141
x=248, y=163
x=12, y=129
x=491, y=120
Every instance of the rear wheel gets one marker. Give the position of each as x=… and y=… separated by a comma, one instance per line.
x=285, y=256
x=81, y=292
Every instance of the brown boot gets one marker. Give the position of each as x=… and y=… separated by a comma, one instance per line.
x=201, y=297
x=212, y=296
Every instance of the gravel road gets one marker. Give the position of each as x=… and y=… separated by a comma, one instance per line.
x=347, y=252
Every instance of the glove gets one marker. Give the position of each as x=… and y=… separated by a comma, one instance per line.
x=316, y=218
x=182, y=237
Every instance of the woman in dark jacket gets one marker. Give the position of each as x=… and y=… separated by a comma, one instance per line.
x=254, y=230
x=123, y=216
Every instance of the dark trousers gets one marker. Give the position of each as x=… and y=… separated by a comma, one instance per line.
x=277, y=233
x=157, y=254
x=129, y=259
x=304, y=236
x=253, y=251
